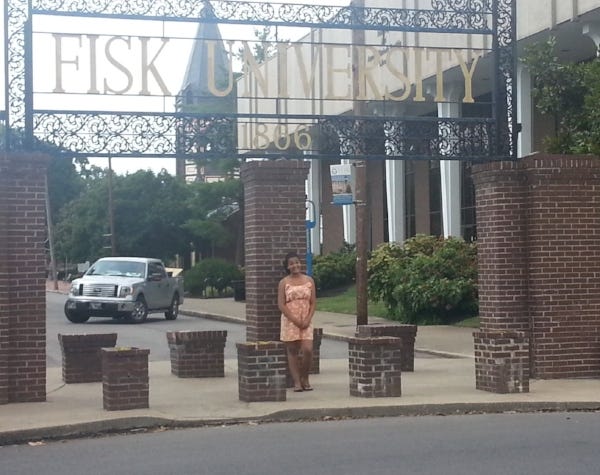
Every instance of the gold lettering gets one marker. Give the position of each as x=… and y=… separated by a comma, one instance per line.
x=151, y=67
x=307, y=83
x=419, y=97
x=121, y=67
x=282, y=62
x=467, y=74
x=405, y=86
x=93, y=89
x=439, y=73
x=331, y=70
x=59, y=61
x=211, y=72
x=365, y=69
x=252, y=67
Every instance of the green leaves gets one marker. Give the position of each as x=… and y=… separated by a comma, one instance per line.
x=427, y=280
x=569, y=93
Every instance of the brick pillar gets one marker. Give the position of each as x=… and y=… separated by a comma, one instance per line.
x=275, y=224
x=374, y=365
x=82, y=357
x=501, y=362
x=197, y=354
x=501, y=206
x=125, y=383
x=406, y=333
x=262, y=368
x=22, y=278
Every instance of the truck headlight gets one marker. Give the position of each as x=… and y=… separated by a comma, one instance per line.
x=74, y=290
x=124, y=291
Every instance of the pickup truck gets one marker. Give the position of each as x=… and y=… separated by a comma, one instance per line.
x=124, y=287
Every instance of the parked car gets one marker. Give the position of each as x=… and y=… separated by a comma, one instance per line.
x=125, y=287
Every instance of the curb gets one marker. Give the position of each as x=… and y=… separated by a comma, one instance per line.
x=147, y=424
x=328, y=335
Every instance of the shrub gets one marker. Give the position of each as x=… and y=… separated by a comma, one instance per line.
x=334, y=270
x=427, y=280
x=211, y=273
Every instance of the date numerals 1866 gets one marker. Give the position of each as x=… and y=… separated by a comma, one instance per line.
x=283, y=136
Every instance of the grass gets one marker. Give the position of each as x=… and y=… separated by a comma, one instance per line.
x=345, y=302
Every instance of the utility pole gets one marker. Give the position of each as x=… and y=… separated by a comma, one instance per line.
x=358, y=40
x=50, y=237
x=111, y=214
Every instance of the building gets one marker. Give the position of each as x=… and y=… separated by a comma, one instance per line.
x=412, y=196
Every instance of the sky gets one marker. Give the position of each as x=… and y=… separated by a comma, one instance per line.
x=78, y=40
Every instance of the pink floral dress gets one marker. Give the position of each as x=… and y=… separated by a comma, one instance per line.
x=297, y=299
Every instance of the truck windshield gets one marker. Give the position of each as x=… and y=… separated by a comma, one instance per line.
x=119, y=268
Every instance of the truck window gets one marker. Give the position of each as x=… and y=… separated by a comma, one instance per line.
x=155, y=268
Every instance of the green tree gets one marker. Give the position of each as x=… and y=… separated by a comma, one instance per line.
x=149, y=211
x=210, y=205
x=569, y=93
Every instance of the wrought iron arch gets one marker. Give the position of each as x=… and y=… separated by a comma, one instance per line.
x=199, y=135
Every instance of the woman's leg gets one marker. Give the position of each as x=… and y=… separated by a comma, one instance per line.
x=307, y=355
x=292, y=348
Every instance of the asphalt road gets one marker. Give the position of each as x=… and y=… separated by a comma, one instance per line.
x=500, y=444
x=150, y=334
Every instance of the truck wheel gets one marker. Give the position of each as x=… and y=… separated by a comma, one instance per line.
x=173, y=311
x=140, y=311
x=75, y=317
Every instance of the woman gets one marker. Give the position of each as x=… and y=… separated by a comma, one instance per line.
x=296, y=298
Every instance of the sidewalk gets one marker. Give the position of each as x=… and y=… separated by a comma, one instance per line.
x=439, y=385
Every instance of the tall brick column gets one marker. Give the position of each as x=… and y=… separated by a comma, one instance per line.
x=275, y=224
x=22, y=278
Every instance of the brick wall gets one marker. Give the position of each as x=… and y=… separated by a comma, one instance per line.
x=538, y=226
x=197, y=354
x=275, y=224
x=22, y=278
x=125, y=382
x=262, y=368
x=82, y=357
x=374, y=366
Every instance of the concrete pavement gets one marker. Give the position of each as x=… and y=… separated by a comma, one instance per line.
x=443, y=383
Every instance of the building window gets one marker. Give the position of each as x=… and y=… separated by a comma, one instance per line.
x=409, y=198
x=435, y=199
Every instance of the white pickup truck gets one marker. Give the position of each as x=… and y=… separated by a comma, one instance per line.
x=124, y=287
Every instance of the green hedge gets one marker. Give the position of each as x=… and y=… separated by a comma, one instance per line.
x=335, y=270
x=427, y=280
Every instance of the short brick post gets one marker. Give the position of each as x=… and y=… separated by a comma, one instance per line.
x=262, y=368
x=501, y=361
x=407, y=333
x=374, y=365
x=82, y=357
x=125, y=383
x=197, y=354
x=315, y=367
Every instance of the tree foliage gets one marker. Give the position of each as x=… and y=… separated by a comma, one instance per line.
x=427, y=280
x=569, y=93
x=154, y=215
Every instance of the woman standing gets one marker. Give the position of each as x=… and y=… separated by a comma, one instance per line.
x=296, y=298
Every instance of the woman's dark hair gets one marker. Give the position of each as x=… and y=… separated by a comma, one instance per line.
x=287, y=257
